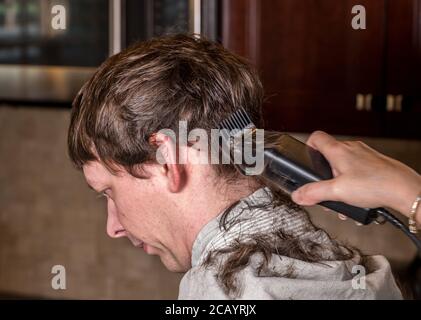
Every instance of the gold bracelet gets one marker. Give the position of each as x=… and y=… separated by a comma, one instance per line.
x=412, y=223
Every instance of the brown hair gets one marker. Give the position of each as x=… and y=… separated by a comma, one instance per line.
x=237, y=255
x=153, y=85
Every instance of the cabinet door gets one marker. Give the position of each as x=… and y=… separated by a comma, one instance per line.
x=402, y=117
x=312, y=62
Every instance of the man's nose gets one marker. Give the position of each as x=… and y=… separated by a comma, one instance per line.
x=114, y=227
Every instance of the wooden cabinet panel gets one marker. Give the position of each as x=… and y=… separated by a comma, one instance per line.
x=402, y=69
x=313, y=63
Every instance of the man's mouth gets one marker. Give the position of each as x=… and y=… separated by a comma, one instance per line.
x=136, y=242
x=143, y=246
x=139, y=245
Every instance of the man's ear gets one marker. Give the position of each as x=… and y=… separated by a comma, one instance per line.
x=168, y=160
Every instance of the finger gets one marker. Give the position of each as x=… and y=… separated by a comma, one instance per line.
x=323, y=142
x=313, y=193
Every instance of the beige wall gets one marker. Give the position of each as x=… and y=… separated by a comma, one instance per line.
x=48, y=216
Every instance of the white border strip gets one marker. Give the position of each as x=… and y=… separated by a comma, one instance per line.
x=196, y=16
x=115, y=27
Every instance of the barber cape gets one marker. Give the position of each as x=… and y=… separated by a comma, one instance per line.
x=311, y=280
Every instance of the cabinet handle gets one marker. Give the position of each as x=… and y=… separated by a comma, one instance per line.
x=390, y=103
x=398, y=103
x=367, y=101
x=359, y=102
x=394, y=103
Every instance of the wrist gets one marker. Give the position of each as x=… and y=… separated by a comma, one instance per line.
x=405, y=199
x=413, y=220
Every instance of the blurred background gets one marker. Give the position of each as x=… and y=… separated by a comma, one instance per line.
x=318, y=72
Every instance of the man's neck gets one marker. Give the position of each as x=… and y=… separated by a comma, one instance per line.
x=212, y=201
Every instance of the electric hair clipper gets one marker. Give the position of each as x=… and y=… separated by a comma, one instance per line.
x=290, y=164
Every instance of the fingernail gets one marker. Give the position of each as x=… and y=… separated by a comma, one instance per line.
x=296, y=196
x=342, y=217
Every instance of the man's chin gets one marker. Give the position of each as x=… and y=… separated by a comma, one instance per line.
x=177, y=270
x=173, y=266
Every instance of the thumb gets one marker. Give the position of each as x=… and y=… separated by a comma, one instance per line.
x=313, y=193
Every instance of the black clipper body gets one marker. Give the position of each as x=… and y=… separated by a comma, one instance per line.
x=292, y=164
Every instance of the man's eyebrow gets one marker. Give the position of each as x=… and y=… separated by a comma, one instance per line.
x=90, y=187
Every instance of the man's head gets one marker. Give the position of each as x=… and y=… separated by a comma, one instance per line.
x=113, y=138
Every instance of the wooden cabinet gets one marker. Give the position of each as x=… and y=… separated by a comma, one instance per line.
x=320, y=73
